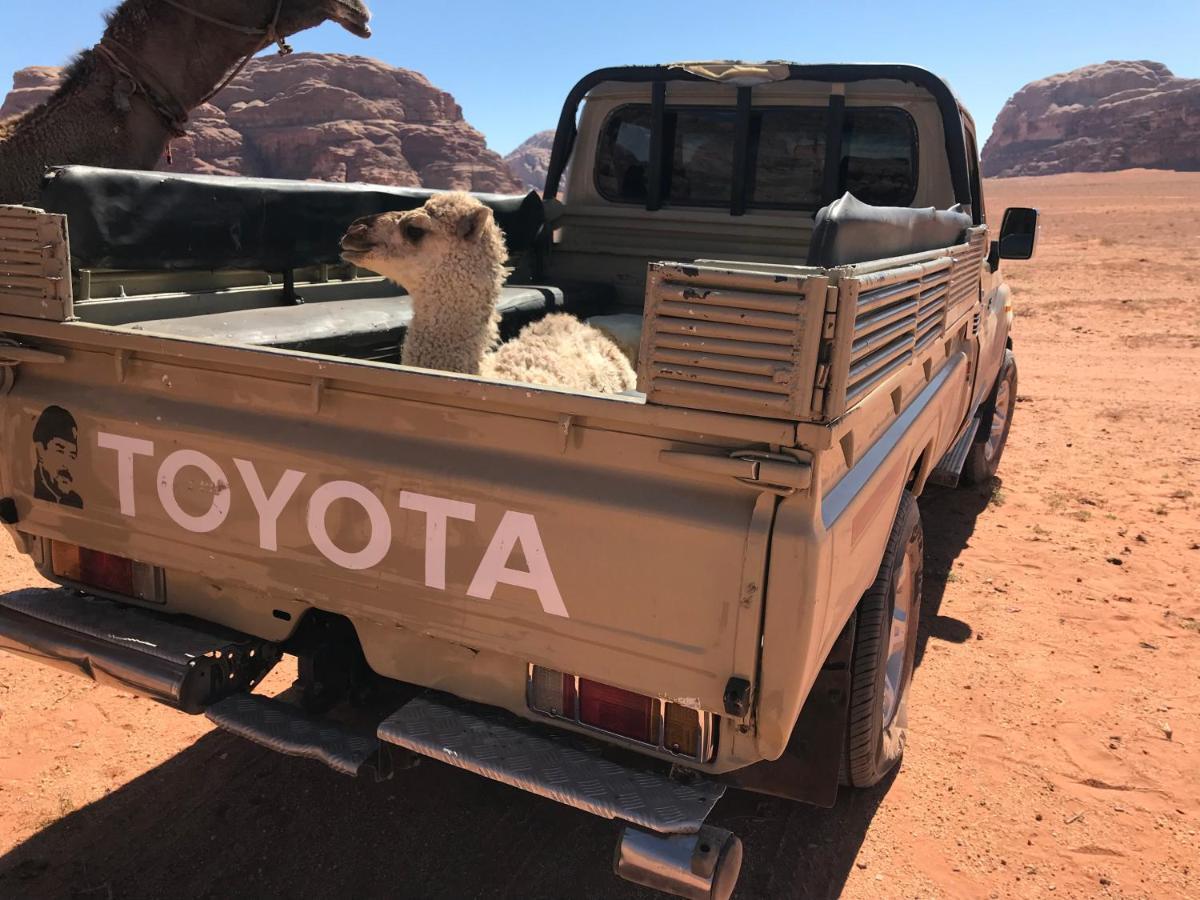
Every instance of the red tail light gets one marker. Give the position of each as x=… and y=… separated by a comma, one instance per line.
x=621, y=712
x=663, y=725
x=105, y=571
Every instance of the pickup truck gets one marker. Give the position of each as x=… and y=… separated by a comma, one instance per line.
x=625, y=603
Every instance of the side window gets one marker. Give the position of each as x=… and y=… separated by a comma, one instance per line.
x=973, y=174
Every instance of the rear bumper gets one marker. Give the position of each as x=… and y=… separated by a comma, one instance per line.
x=195, y=666
x=182, y=662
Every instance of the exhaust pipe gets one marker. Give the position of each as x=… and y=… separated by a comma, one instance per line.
x=701, y=866
x=177, y=660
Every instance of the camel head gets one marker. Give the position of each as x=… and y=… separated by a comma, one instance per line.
x=294, y=15
x=300, y=15
x=453, y=236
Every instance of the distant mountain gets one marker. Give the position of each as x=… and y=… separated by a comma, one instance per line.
x=530, y=161
x=1112, y=115
x=323, y=116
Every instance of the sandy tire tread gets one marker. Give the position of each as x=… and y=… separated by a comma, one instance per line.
x=978, y=469
x=872, y=750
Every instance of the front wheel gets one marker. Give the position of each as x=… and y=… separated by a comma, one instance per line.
x=984, y=456
x=885, y=641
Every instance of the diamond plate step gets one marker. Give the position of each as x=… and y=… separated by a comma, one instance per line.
x=505, y=748
x=285, y=729
x=949, y=470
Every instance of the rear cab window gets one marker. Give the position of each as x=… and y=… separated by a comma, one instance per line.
x=786, y=149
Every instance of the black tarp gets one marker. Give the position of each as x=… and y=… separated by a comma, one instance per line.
x=119, y=219
x=850, y=231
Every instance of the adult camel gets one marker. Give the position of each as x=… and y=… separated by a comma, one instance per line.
x=122, y=101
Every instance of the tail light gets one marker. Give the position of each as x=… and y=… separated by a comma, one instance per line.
x=625, y=713
x=647, y=720
x=681, y=729
x=552, y=692
x=104, y=571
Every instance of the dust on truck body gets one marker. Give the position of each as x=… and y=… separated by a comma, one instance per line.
x=209, y=442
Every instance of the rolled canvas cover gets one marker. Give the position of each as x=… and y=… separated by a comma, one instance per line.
x=850, y=231
x=121, y=219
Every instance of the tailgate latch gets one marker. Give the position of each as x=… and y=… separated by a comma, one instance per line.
x=774, y=472
x=737, y=697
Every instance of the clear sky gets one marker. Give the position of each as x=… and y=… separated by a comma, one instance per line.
x=510, y=64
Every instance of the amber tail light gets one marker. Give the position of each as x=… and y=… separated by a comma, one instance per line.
x=657, y=723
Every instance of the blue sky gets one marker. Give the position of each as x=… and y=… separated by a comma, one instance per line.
x=510, y=64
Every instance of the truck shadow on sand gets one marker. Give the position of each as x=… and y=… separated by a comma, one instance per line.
x=227, y=818
x=948, y=517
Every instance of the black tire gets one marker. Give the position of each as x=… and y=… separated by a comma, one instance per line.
x=877, y=725
x=984, y=457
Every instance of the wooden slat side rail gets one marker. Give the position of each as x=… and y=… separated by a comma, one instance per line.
x=731, y=340
x=35, y=264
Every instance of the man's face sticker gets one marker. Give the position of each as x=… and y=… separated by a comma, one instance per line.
x=55, y=459
x=55, y=450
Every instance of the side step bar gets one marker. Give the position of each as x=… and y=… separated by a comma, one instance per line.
x=949, y=469
x=286, y=729
x=179, y=661
x=504, y=748
x=665, y=844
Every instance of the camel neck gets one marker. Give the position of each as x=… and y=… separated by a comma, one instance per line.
x=81, y=121
x=451, y=329
x=97, y=117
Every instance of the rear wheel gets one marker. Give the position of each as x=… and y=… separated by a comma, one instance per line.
x=984, y=456
x=885, y=641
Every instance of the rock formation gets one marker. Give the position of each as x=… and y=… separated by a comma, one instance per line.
x=323, y=116
x=1113, y=115
x=530, y=161
x=30, y=87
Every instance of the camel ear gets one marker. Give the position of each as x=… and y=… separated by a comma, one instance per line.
x=471, y=226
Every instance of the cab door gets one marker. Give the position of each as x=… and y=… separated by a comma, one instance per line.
x=992, y=333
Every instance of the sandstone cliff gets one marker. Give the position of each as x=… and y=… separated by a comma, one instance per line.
x=30, y=87
x=530, y=161
x=323, y=116
x=1113, y=115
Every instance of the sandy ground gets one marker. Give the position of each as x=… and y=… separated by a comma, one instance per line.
x=1055, y=726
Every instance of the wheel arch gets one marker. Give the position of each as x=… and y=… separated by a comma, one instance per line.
x=918, y=475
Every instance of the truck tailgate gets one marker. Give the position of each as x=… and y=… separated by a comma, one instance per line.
x=533, y=523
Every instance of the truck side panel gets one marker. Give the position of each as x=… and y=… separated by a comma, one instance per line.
x=825, y=555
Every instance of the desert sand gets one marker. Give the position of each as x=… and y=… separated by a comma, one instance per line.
x=1054, y=744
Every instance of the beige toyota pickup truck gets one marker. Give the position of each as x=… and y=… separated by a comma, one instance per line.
x=628, y=603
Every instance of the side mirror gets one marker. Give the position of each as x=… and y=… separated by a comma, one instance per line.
x=1018, y=233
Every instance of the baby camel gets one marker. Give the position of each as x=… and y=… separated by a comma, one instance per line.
x=449, y=255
